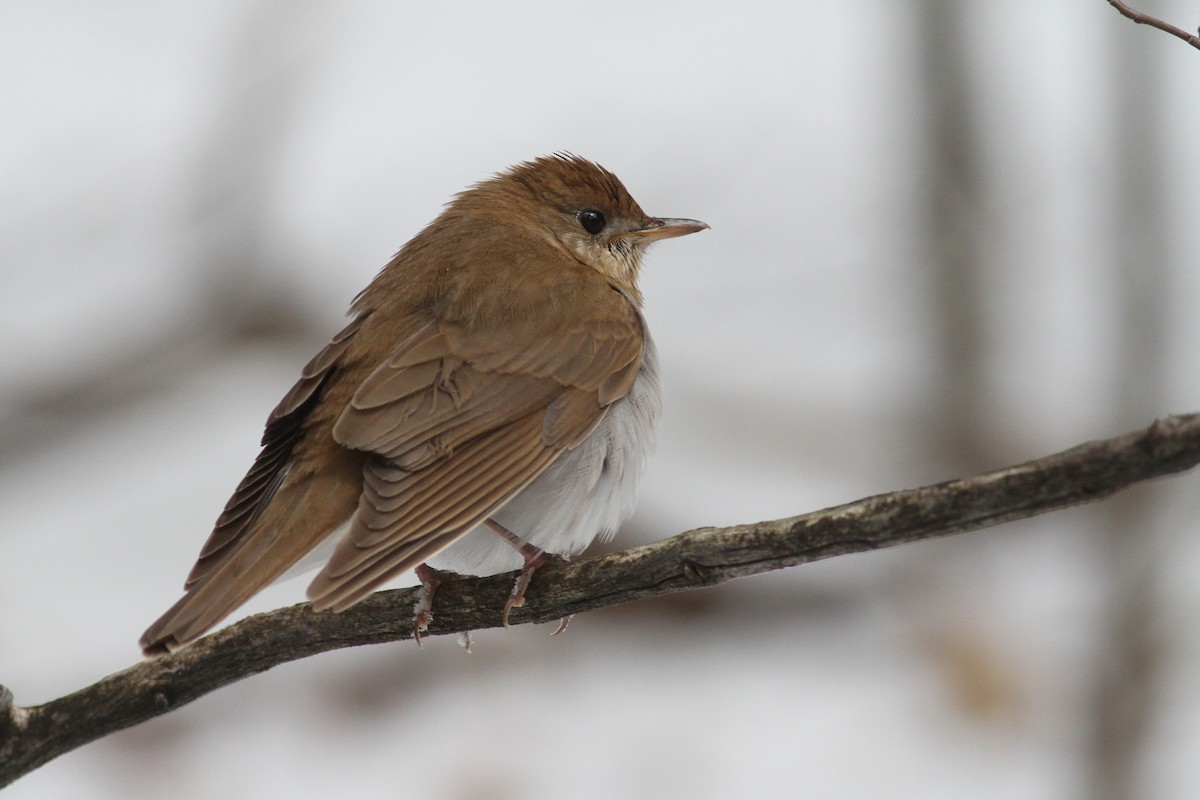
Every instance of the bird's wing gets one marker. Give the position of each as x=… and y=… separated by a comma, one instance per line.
x=458, y=421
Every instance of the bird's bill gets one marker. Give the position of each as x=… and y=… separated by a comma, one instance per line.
x=668, y=228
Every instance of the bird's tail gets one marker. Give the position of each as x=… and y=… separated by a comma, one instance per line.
x=304, y=511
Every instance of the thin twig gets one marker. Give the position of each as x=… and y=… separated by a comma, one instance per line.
x=29, y=737
x=1154, y=22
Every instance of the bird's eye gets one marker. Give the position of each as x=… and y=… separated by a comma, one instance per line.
x=592, y=220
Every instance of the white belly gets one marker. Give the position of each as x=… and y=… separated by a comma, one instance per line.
x=586, y=493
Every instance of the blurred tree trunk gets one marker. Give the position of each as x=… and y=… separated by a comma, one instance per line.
x=239, y=163
x=951, y=194
x=958, y=637
x=1127, y=668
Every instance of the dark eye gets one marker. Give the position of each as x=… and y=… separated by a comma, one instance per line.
x=592, y=220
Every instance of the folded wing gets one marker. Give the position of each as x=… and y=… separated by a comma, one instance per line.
x=458, y=422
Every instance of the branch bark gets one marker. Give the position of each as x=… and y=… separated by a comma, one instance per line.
x=1154, y=22
x=29, y=737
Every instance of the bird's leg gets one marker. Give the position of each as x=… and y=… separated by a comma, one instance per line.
x=534, y=558
x=562, y=624
x=430, y=579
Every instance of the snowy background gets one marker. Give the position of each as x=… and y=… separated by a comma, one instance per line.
x=945, y=237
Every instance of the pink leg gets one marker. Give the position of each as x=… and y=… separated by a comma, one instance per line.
x=534, y=558
x=430, y=579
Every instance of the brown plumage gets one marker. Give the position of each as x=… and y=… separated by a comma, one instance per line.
x=497, y=339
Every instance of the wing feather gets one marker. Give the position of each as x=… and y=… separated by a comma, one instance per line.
x=440, y=504
x=284, y=429
x=459, y=421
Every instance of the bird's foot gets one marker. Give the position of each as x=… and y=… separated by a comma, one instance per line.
x=430, y=579
x=535, y=558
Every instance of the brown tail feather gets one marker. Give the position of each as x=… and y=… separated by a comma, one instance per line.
x=304, y=511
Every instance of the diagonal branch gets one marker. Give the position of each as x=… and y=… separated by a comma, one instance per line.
x=1154, y=22
x=29, y=737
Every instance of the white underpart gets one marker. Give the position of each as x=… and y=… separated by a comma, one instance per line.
x=585, y=494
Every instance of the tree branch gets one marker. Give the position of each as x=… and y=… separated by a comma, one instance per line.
x=1154, y=22
x=29, y=737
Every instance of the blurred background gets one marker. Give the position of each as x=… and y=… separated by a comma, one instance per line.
x=945, y=237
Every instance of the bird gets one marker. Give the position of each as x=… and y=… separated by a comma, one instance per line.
x=489, y=407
